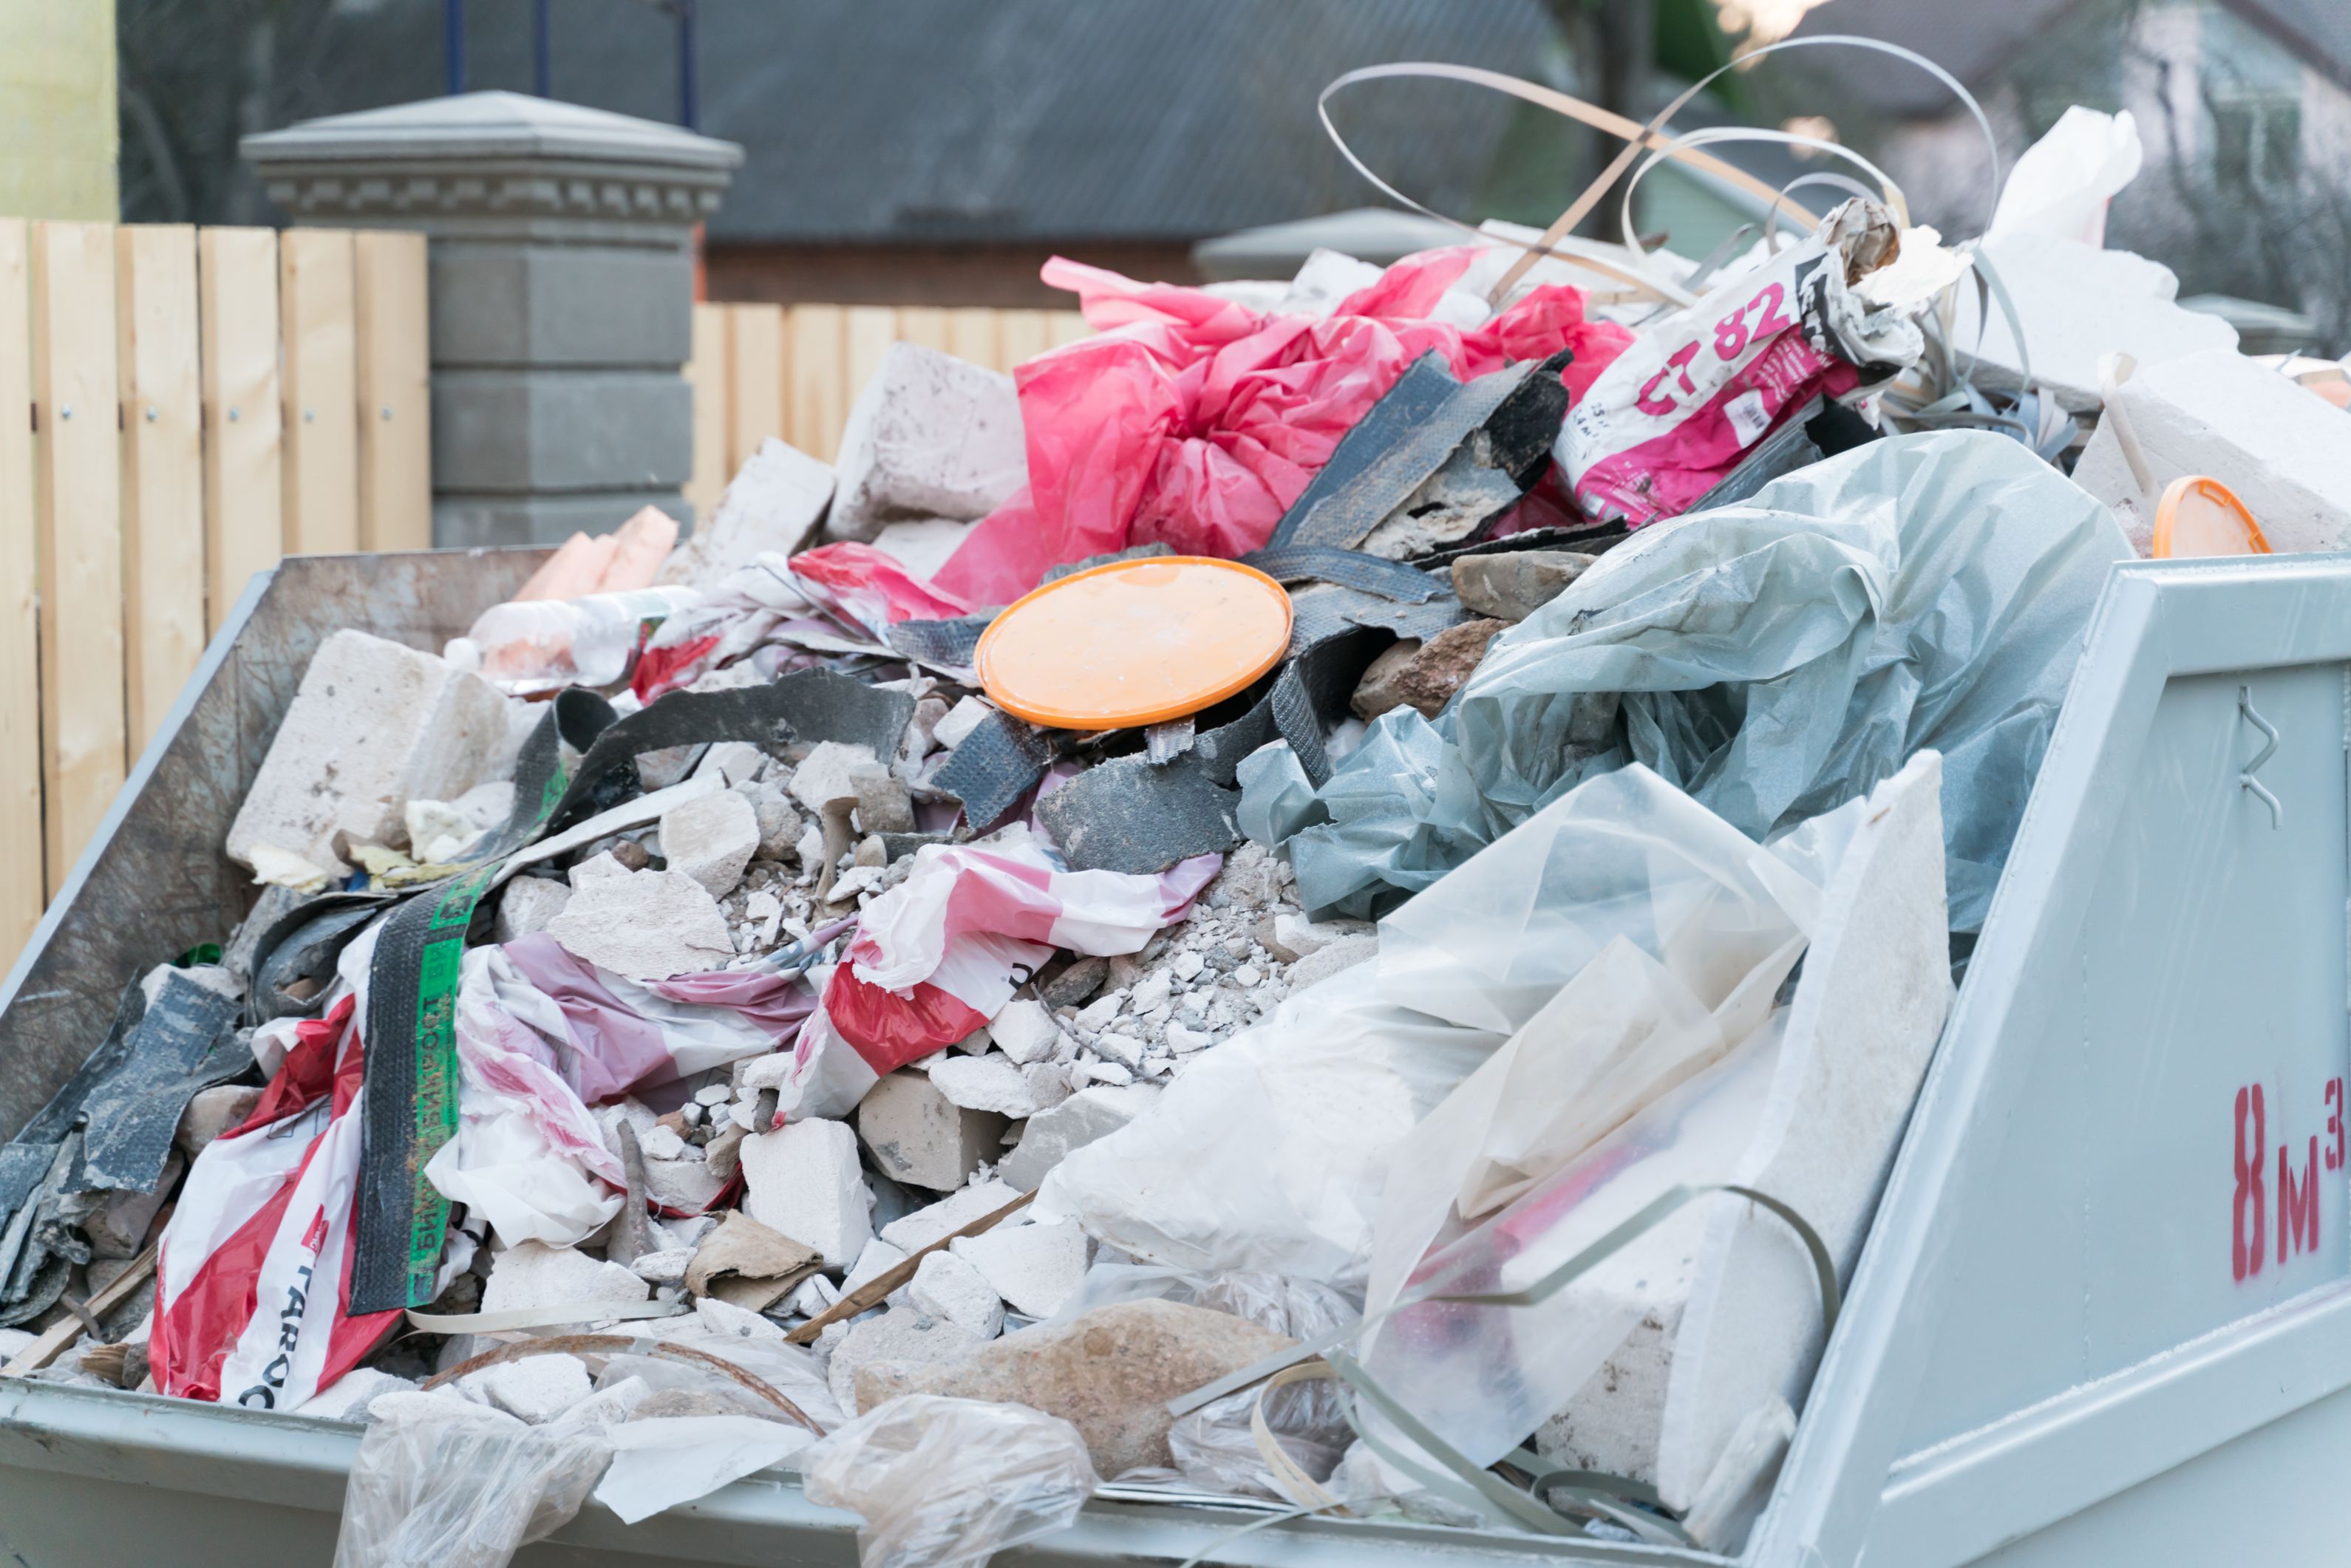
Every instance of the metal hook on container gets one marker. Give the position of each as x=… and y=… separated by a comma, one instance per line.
x=2246, y=778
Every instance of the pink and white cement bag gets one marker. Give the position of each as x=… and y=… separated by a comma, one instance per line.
x=1676, y=411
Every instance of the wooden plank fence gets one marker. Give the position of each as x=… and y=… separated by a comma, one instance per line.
x=197, y=403
x=793, y=371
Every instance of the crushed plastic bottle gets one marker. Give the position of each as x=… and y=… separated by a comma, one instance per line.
x=529, y=645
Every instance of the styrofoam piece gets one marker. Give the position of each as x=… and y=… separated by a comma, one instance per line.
x=2285, y=451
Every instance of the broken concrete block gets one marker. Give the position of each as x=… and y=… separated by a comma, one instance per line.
x=1025, y=1031
x=1290, y=937
x=828, y=773
x=347, y=1397
x=779, y=825
x=1108, y=1372
x=1074, y=984
x=373, y=725
x=2077, y=303
x=912, y=1232
x=533, y=1274
x=1048, y=1083
x=535, y=1389
x=1427, y=677
x=1033, y=1267
x=667, y=1267
x=1514, y=584
x=878, y=1257
x=803, y=1180
x=2286, y=455
x=929, y=436
x=902, y=1336
x=967, y=716
x=711, y=839
x=686, y=1184
x=212, y=1111
x=921, y=1137
x=992, y=1083
x=645, y=924
x=883, y=806
x=946, y=1286
x=1084, y=1116
x=529, y=904
x=1334, y=959
x=773, y=503
x=734, y=763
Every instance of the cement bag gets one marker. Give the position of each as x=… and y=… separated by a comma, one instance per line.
x=1672, y=415
x=1269, y=1152
x=1774, y=658
x=1719, y=1305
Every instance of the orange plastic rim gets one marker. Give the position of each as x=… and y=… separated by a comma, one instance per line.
x=1135, y=642
x=2201, y=517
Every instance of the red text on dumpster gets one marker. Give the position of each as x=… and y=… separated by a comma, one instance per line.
x=2288, y=1209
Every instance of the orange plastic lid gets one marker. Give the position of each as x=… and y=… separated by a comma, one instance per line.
x=2198, y=516
x=1135, y=642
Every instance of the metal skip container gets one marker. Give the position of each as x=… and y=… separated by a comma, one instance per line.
x=2105, y=1310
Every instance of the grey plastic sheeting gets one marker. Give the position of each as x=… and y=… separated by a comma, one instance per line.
x=1774, y=659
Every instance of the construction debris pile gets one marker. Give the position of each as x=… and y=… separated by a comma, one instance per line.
x=1137, y=932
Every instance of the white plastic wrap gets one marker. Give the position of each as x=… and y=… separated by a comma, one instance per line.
x=948, y=1483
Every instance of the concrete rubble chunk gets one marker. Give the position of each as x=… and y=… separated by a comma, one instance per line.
x=535, y=1389
x=2285, y=453
x=212, y=1111
x=1290, y=935
x=711, y=839
x=1084, y=1116
x=967, y=715
x=921, y=1137
x=883, y=806
x=992, y=1083
x=929, y=436
x=1074, y=984
x=734, y=763
x=686, y=1184
x=1427, y=677
x=645, y=924
x=529, y=904
x=1334, y=959
x=802, y=1179
x=1025, y=1031
x=913, y=1232
x=828, y=773
x=1048, y=1084
x=779, y=825
x=1033, y=1267
x=902, y=1336
x=667, y=1267
x=373, y=725
x=1108, y=1372
x=1514, y=584
x=946, y=1286
x=533, y=1274
x=347, y=1397
x=773, y=503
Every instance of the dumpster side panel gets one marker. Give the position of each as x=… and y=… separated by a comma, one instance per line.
x=152, y=881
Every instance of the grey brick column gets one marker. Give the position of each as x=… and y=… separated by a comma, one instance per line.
x=562, y=285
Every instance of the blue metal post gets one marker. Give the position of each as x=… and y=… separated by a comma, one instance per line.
x=453, y=43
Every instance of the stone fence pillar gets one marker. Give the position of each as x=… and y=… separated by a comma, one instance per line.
x=562, y=289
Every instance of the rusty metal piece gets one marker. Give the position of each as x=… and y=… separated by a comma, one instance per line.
x=624, y=1344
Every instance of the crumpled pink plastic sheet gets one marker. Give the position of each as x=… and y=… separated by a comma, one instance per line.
x=1195, y=422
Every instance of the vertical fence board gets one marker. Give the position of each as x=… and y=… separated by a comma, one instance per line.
x=923, y=324
x=707, y=374
x=1027, y=334
x=23, y=890
x=1067, y=327
x=319, y=365
x=754, y=378
x=236, y=289
x=80, y=535
x=817, y=382
x=867, y=332
x=974, y=335
x=162, y=471
x=394, y=415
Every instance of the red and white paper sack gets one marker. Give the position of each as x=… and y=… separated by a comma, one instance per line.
x=1675, y=413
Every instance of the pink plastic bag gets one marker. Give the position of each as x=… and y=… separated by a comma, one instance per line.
x=1195, y=422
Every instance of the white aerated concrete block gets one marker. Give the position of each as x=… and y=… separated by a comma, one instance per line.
x=527, y=904
x=1083, y=1117
x=533, y=1274
x=535, y=1389
x=991, y=1083
x=1025, y=1031
x=920, y=1136
x=373, y=725
x=646, y=924
x=913, y=1232
x=1033, y=1267
x=946, y=1286
x=2284, y=451
x=2078, y=303
x=773, y=503
x=711, y=839
x=930, y=436
x=803, y=1180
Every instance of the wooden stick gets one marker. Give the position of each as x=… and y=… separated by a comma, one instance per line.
x=60, y=1336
